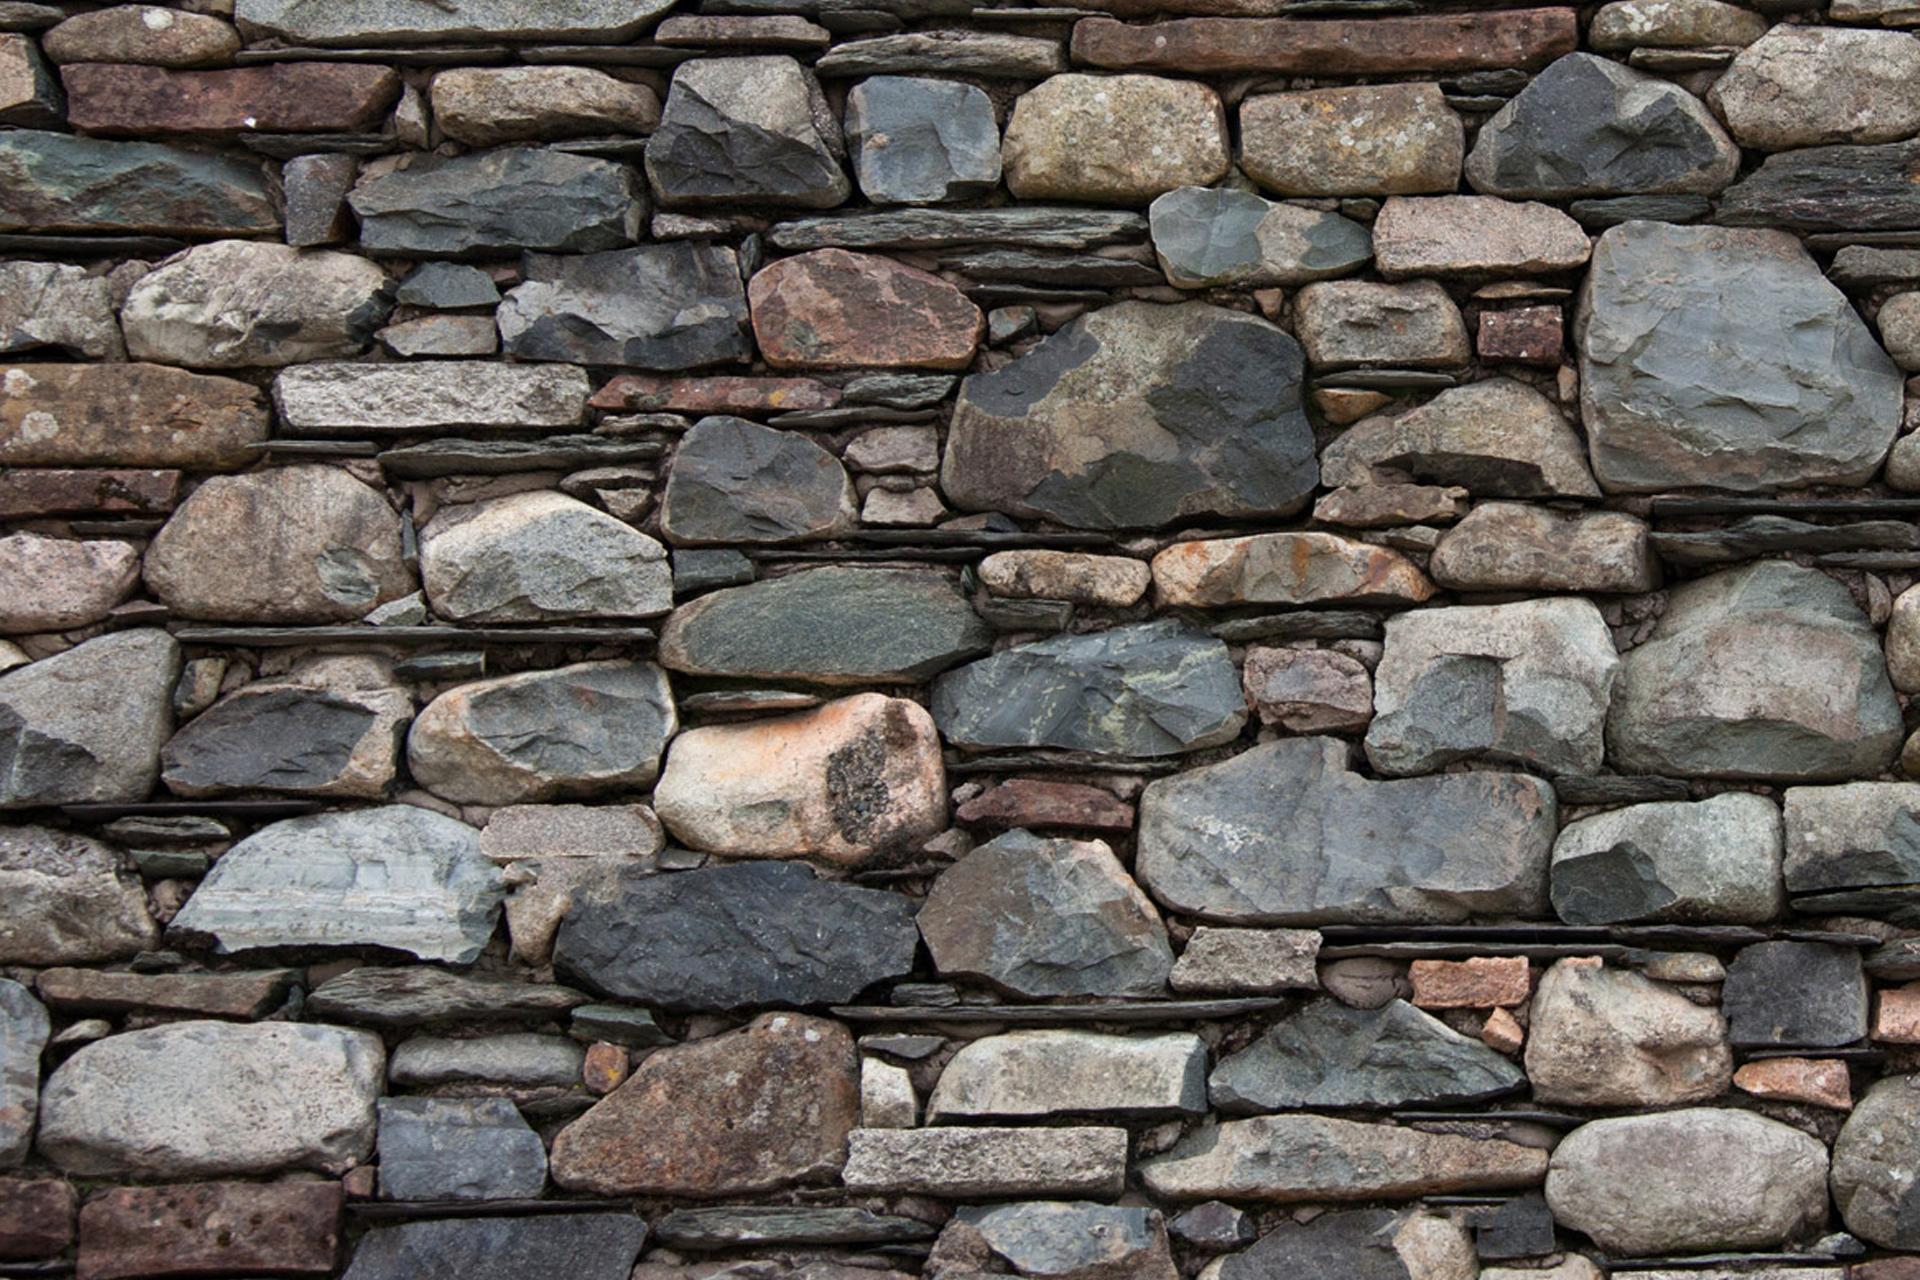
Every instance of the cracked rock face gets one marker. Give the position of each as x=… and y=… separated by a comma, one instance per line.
x=753, y=130
x=917, y=141
x=533, y=557
x=1712, y=860
x=87, y=725
x=660, y=306
x=1599, y=1037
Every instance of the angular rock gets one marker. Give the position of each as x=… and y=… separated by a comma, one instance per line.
x=29, y=94
x=582, y=1246
x=756, y=1109
x=1899, y=324
x=1134, y=416
x=1033, y=803
x=486, y=106
x=1601, y=1037
x=86, y=726
x=126, y=415
x=1268, y=46
x=720, y=393
x=420, y=994
x=732, y=1226
x=1624, y=25
x=1208, y=236
x=1055, y=1240
x=1821, y=1082
x=1386, y=506
x=1285, y=568
x=1237, y=961
x=296, y=544
x=427, y=395
x=1685, y=1181
x=1108, y=582
x=143, y=33
x=412, y=22
x=316, y=189
x=1404, y=326
x=845, y=784
x=519, y=1059
x=1328, y=1055
x=1524, y=335
x=1711, y=861
x=205, y=1228
x=23, y=1038
x=1118, y=139
x=1587, y=126
x=1478, y=982
x=921, y=141
x=58, y=182
x=397, y=877
x=1039, y=917
x=1764, y=672
x=67, y=899
x=830, y=309
x=834, y=625
x=1803, y=86
x=444, y=285
x=752, y=130
x=537, y=557
x=887, y=1097
x=1811, y=994
x=1026, y=1074
x=1838, y=188
x=1499, y=438
x=1509, y=546
x=55, y=584
x=511, y=198
x=1474, y=236
x=209, y=1099
x=1527, y=682
x=1856, y=835
x=1704, y=355
x=661, y=306
x=724, y=937
x=968, y=1164
x=1286, y=834
x=36, y=1217
x=1872, y=1162
x=292, y=738
x=1144, y=689
x=272, y=97
x=1367, y=1244
x=578, y=730
x=48, y=305
x=1284, y=1159
x=1372, y=140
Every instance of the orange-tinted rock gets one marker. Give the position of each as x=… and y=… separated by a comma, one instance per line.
x=1503, y=1032
x=56, y=491
x=1528, y=335
x=1483, y=982
x=1036, y=803
x=647, y=393
x=1896, y=1016
x=129, y=101
x=127, y=415
x=831, y=309
x=36, y=1217
x=1528, y=38
x=605, y=1069
x=1903, y=1268
x=1820, y=1081
x=1285, y=568
x=743, y=1112
x=210, y=1229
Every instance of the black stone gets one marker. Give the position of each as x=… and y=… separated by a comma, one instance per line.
x=1611, y=211
x=661, y=306
x=1807, y=994
x=578, y=1246
x=1355, y=1244
x=499, y=201
x=706, y=150
x=1609, y=885
x=445, y=457
x=1838, y=188
x=1212, y=1227
x=617, y=1024
x=1520, y=1228
x=447, y=286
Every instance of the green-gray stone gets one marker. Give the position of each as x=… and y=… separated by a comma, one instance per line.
x=59, y=182
x=1207, y=236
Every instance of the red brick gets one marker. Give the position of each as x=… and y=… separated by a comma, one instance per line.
x=36, y=1217
x=831, y=309
x=1528, y=335
x=1529, y=38
x=644, y=392
x=209, y=1229
x=1032, y=802
x=276, y=97
x=53, y=492
x=1484, y=982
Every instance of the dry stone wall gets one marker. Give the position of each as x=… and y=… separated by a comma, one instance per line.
x=858, y=639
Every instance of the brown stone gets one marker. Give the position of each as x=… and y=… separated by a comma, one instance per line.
x=1483, y=982
x=1341, y=405
x=55, y=491
x=1036, y=803
x=1308, y=690
x=253, y=994
x=142, y=33
x=605, y=1068
x=1903, y=1268
x=1822, y=1082
x=785, y=32
x=1122, y=139
x=1285, y=568
x=126, y=415
x=54, y=584
x=1475, y=236
x=831, y=309
x=648, y=393
x=128, y=101
x=1502, y=1032
x=1381, y=506
x=1111, y=582
x=1528, y=38
x=1896, y=1016
x=748, y=1111
x=210, y=1229
x=1381, y=140
x=1526, y=335
x=36, y=1217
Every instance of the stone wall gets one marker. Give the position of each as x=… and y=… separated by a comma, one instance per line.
x=855, y=639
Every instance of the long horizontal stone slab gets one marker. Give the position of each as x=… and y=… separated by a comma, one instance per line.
x=126, y=415
x=1031, y=226
x=967, y=1163
x=1528, y=38
x=428, y=395
x=412, y=22
x=59, y=182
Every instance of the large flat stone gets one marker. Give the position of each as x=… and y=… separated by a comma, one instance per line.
x=87, y=725
x=205, y=1228
x=735, y=481
x=126, y=415
x=830, y=309
x=1025, y=1074
x=500, y=202
x=411, y=22
x=68, y=899
x=1029, y=226
x=968, y=1164
x=1804, y=86
x=24, y=1028
x=415, y=995
x=1602, y=1037
x=273, y=97
x=1118, y=139
x=1511, y=546
x=427, y=396
x=142, y=33
x=678, y=305
x=1370, y=1244
x=753, y=129
x=1837, y=188
x=64, y=183
x=1852, y=836
x=1711, y=861
x=581, y=1246
x=485, y=106
x=1372, y=140
x=540, y=556
x=1474, y=236
x=1269, y=46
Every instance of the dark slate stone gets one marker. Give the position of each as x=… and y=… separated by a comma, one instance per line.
x=836, y=625
x=1033, y=226
x=754, y=933
x=617, y=1024
x=921, y=141
x=499, y=201
x=578, y=1246
x=1198, y=413
x=1587, y=126
x=745, y=129
x=448, y=457
x=899, y=390
x=288, y=738
x=677, y=305
x=1354, y=1244
x=1802, y=994
x=1329, y=1055
x=23, y=1038
x=701, y=569
x=59, y=182
x=458, y=1149
x=1839, y=188
x=447, y=285
x=1213, y=1226
x=1617, y=883
x=1598, y=215
x=419, y=995
x=1149, y=689
x=1518, y=1228
x=316, y=188
x=737, y=1226
x=1755, y=536
x=735, y=481
x=87, y=725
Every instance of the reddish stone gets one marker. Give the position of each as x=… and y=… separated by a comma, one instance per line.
x=210, y=1229
x=1529, y=38
x=1820, y=1081
x=276, y=97
x=1502, y=1032
x=1902, y=1268
x=1484, y=982
x=831, y=309
x=50, y=492
x=1896, y=1016
x=126, y=415
x=1032, y=802
x=1529, y=335
x=254, y=994
x=605, y=1069
x=644, y=392
x=36, y=1218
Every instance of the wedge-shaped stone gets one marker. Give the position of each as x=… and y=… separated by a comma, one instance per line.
x=292, y=738
x=24, y=1028
x=1602, y=1037
x=1510, y=546
x=736, y=481
x=660, y=306
x=410, y=22
x=1371, y=140
x=1207, y=236
x=1498, y=438
x=126, y=415
x=539, y=556
x=428, y=396
x=86, y=726
x=1285, y=568
x=1286, y=834
x=1852, y=836
x=968, y=1164
x=1712, y=861
x=1025, y=1074
x=67, y=899
x=752, y=130
x=1371, y=1244
x=63, y=183
x=499, y=201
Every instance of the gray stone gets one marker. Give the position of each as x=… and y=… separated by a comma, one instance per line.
x=1510, y=546
x=1527, y=683
x=1766, y=672
x=540, y=556
x=581, y=1246
x=1803, y=86
x=57, y=182
x=735, y=481
x=734, y=1226
x=58, y=584
x=485, y=106
x=1328, y=1055
x=1673, y=24
x=411, y=22
x=1366, y=982
x=316, y=189
x=408, y=996
x=1074, y=1240
x=975, y=53
x=1705, y=355
x=1144, y=689
x=571, y=831
x=1360, y=322
x=1120, y=139
x=752, y=130
x=1246, y=961
x=296, y=544
x=1363, y=1244
x=1715, y=861
x=498, y=201
x=578, y=730
x=1686, y=1181
x=1286, y=833
x=835, y=625
x=1198, y=412
x=1206, y=237
x=49, y=305
x=918, y=141
x=458, y=1149
x=725, y=937
x=968, y=1164
x=447, y=285
x=397, y=877
x=1030, y=226
x=516, y=1059
x=147, y=34
x=677, y=305
x=1587, y=126
x=68, y=899
x=1474, y=236
x=1873, y=1162
x=24, y=1027
x=1498, y=438
x=1026, y=1074
x=1899, y=324
x=1214, y=1226
x=291, y=737
x=1837, y=188
x=211, y=1099
x=87, y=725
x=1599, y=1037
x=1852, y=836
x=1046, y=917
x=1802, y=994
x=1362, y=140
x=441, y=336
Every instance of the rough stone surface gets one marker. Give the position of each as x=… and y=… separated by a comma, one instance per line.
x=967, y=1163
x=1873, y=1158
x=36, y=1217
x=414, y=22
x=1208, y=236
x=917, y=141
x=1404, y=326
x=127, y=415
x=1710, y=861
x=66, y=899
x=1803, y=86
x=1821, y=1082
x=276, y=97
x=56, y=585
x=24, y=1028
x=1374, y=140
x=87, y=725
x=830, y=309
x=1510, y=546
x=519, y=1058
x=1796, y=993
x=294, y=738
x=427, y=395
x=1673, y=24
x=1269, y=46
x=142, y=33
x=203, y=1228
x=1366, y=1244
x=535, y=557
x=1246, y=960
x=46, y=305
x=1474, y=236
x=90, y=186
x=1602, y=1037
x=1111, y=582
x=1498, y=438
x=745, y=130
x=421, y=994
x=1308, y=690
x=508, y=198
x=1027, y=1074
x=660, y=306
x=1118, y=139
x=1285, y=569
x=1852, y=836
x=486, y=106
x=584, y=1246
